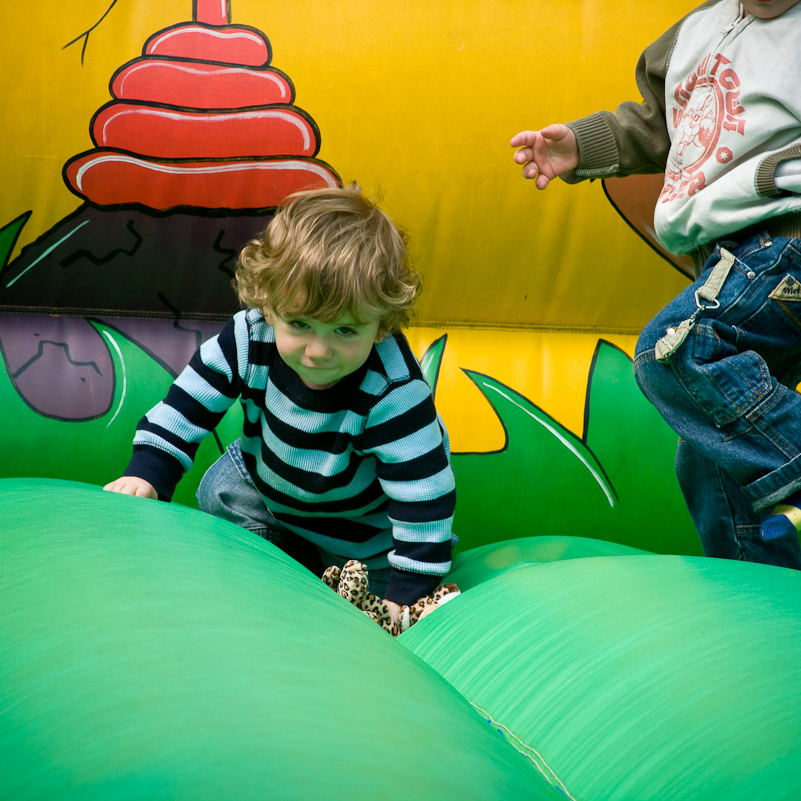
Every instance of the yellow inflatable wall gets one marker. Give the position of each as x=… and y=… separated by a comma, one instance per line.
x=417, y=102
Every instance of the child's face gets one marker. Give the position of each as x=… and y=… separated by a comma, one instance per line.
x=323, y=353
x=767, y=9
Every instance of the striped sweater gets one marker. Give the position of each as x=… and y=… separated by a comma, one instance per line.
x=360, y=469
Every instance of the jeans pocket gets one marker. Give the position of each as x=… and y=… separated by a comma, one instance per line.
x=787, y=296
x=723, y=381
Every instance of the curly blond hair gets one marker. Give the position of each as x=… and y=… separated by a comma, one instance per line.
x=329, y=252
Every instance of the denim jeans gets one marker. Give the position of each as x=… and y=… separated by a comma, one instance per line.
x=728, y=392
x=227, y=491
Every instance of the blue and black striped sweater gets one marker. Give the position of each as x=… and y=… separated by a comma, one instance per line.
x=360, y=469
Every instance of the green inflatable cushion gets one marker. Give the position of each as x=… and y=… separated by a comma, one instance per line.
x=150, y=651
x=634, y=677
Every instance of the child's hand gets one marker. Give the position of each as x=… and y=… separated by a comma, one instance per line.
x=394, y=610
x=131, y=485
x=547, y=153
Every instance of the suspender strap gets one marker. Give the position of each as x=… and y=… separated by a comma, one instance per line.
x=711, y=288
x=708, y=293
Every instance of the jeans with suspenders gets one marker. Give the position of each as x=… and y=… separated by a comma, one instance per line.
x=721, y=363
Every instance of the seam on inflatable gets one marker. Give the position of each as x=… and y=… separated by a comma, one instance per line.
x=527, y=751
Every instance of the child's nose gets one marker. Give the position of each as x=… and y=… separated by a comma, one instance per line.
x=318, y=348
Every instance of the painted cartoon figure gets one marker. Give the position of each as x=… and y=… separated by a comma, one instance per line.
x=199, y=143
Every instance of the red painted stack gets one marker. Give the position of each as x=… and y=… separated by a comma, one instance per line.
x=200, y=120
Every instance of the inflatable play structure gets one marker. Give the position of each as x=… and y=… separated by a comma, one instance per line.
x=149, y=651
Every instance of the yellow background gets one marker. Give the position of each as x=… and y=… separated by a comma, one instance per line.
x=417, y=101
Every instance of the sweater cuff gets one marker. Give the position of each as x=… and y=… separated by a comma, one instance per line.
x=598, y=154
x=764, y=181
x=405, y=588
x=159, y=468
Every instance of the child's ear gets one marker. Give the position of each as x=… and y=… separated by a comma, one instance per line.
x=268, y=315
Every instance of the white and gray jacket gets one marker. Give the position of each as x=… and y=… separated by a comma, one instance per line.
x=721, y=116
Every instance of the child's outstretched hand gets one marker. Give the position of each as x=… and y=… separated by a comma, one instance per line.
x=131, y=485
x=547, y=153
x=394, y=610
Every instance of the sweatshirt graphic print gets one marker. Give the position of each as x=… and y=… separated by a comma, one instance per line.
x=705, y=106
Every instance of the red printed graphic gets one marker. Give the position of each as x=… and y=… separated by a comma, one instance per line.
x=707, y=104
x=724, y=155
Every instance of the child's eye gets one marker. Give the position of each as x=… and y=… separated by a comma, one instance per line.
x=298, y=325
x=346, y=332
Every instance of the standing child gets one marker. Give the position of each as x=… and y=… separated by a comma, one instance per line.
x=721, y=116
x=342, y=454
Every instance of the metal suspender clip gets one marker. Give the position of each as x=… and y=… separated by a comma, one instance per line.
x=705, y=298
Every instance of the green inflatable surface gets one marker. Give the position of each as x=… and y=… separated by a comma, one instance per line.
x=477, y=565
x=635, y=677
x=149, y=651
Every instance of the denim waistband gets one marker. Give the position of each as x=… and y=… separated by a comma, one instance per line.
x=787, y=225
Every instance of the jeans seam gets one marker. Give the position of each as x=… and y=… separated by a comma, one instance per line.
x=740, y=409
x=767, y=432
x=742, y=531
x=260, y=531
x=762, y=393
x=731, y=517
x=691, y=391
x=785, y=307
x=241, y=467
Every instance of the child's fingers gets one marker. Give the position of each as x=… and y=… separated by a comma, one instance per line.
x=522, y=139
x=394, y=610
x=137, y=487
x=554, y=132
x=523, y=155
x=531, y=171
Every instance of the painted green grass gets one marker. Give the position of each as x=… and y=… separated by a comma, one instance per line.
x=8, y=237
x=615, y=482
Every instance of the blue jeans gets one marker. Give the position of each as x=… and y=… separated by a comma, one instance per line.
x=227, y=491
x=728, y=392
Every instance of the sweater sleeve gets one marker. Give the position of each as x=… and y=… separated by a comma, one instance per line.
x=634, y=139
x=406, y=437
x=168, y=436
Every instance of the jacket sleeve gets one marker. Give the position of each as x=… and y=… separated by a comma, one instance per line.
x=168, y=436
x=633, y=139
x=406, y=437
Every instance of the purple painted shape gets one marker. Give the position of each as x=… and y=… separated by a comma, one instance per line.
x=170, y=342
x=60, y=366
